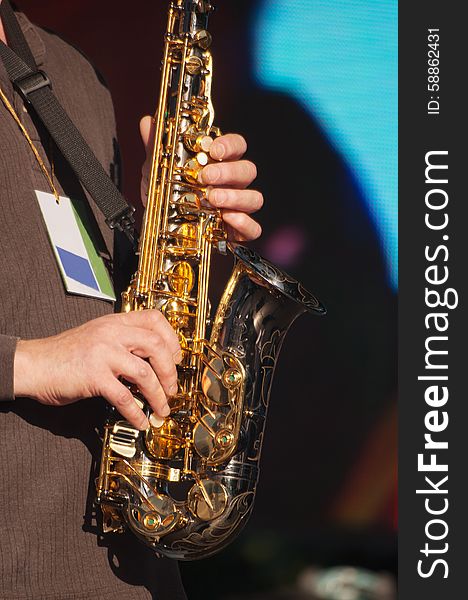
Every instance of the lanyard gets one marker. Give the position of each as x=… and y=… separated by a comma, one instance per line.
x=35, y=88
x=48, y=176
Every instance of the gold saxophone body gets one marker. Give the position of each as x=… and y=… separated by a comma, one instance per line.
x=186, y=487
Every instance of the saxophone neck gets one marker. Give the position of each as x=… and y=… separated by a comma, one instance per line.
x=174, y=227
x=197, y=10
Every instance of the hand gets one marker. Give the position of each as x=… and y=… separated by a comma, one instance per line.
x=87, y=361
x=226, y=181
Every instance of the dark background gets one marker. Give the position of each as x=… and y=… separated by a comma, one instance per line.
x=327, y=490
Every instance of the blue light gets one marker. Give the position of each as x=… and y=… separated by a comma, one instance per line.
x=340, y=59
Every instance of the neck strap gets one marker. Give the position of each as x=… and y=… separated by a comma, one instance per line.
x=36, y=90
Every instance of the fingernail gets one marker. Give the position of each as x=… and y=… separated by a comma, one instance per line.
x=178, y=357
x=218, y=151
x=165, y=410
x=139, y=402
x=220, y=197
x=211, y=174
x=173, y=389
x=144, y=426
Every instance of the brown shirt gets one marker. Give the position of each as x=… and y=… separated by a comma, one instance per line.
x=50, y=541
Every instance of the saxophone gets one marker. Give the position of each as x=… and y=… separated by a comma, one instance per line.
x=186, y=486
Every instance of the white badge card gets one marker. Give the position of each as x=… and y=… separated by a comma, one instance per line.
x=83, y=270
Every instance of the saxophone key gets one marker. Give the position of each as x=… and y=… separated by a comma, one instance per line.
x=207, y=499
x=194, y=65
x=196, y=140
x=193, y=167
x=151, y=521
x=156, y=421
x=166, y=441
x=178, y=315
x=203, y=39
x=213, y=438
x=123, y=438
x=188, y=204
x=181, y=279
x=185, y=236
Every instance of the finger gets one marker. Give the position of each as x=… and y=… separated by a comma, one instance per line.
x=144, y=191
x=155, y=321
x=147, y=132
x=244, y=228
x=138, y=371
x=117, y=394
x=147, y=344
x=228, y=147
x=147, y=129
x=248, y=201
x=238, y=174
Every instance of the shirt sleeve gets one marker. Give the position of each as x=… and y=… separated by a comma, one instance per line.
x=7, y=360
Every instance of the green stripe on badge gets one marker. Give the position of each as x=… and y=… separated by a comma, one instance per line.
x=99, y=268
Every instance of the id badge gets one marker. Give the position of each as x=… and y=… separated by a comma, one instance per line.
x=82, y=268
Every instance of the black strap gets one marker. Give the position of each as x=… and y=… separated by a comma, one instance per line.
x=14, y=33
x=35, y=88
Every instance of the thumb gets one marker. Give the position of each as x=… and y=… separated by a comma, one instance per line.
x=147, y=130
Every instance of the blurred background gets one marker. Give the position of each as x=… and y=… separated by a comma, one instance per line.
x=312, y=85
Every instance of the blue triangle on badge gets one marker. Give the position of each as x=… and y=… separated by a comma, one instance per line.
x=77, y=268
